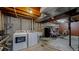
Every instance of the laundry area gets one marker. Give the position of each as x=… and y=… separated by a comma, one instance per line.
x=39, y=29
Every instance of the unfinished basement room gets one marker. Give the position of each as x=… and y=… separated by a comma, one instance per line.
x=39, y=29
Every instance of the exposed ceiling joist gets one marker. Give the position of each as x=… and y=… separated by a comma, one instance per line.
x=22, y=11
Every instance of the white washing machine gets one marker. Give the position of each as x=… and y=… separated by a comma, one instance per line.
x=32, y=39
x=23, y=40
x=19, y=41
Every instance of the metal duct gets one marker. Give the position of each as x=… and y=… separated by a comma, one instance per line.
x=53, y=11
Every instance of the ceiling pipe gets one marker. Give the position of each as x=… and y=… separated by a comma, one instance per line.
x=66, y=14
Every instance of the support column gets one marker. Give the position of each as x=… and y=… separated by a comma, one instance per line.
x=32, y=24
x=78, y=43
x=20, y=23
x=69, y=27
x=78, y=40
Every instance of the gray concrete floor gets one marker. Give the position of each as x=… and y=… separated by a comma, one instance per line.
x=74, y=41
x=41, y=46
x=54, y=44
x=60, y=44
x=63, y=43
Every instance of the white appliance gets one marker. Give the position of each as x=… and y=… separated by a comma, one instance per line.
x=23, y=40
x=19, y=41
x=32, y=39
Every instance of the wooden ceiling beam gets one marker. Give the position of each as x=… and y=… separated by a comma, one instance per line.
x=18, y=15
x=21, y=12
x=24, y=9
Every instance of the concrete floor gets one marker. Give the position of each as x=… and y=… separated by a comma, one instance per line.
x=54, y=44
x=74, y=42
x=60, y=44
x=41, y=46
x=63, y=43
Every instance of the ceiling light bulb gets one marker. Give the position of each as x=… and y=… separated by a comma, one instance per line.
x=60, y=21
x=30, y=11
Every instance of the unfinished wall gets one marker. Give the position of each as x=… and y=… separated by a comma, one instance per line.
x=1, y=21
x=12, y=24
x=26, y=24
x=74, y=28
x=37, y=27
x=62, y=27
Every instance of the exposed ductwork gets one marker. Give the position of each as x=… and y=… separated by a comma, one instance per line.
x=50, y=12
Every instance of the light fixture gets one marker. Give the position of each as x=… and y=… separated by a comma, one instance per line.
x=62, y=21
x=29, y=10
